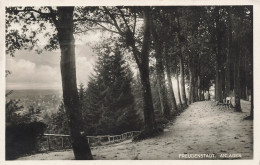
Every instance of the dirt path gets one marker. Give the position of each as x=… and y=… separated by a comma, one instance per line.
x=203, y=128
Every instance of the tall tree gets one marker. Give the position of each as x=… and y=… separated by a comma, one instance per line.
x=250, y=46
x=228, y=58
x=114, y=112
x=60, y=122
x=191, y=81
x=219, y=55
x=181, y=40
x=91, y=111
x=142, y=60
x=237, y=74
x=123, y=21
x=166, y=19
x=178, y=87
x=62, y=19
x=66, y=39
x=158, y=45
x=169, y=77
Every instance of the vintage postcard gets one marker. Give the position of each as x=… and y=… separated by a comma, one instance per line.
x=133, y=81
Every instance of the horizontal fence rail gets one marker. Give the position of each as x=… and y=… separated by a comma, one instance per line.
x=92, y=140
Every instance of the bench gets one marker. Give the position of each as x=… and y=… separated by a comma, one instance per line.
x=227, y=102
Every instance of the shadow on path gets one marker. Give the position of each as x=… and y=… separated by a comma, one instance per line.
x=203, y=128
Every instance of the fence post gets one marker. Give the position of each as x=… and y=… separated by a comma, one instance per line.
x=62, y=142
x=113, y=138
x=48, y=141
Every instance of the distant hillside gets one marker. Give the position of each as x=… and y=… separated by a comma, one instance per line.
x=47, y=100
x=18, y=94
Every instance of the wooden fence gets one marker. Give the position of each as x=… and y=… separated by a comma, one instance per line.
x=92, y=140
x=48, y=137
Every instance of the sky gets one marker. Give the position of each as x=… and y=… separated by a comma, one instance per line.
x=30, y=70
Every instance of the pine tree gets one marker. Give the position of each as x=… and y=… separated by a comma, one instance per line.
x=60, y=122
x=110, y=102
x=91, y=106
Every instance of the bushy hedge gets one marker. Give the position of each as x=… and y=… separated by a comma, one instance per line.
x=22, y=138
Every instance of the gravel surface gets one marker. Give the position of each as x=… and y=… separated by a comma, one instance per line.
x=203, y=131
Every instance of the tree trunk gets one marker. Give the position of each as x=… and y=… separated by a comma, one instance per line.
x=178, y=87
x=228, y=58
x=183, y=93
x=172, y=96
x=161, y=78
x=251, y=78
x=227, y=71
x=247, y=96
x=237, y=90
x=159, y=94
x=149, y=121
x=219, y=62
x=168, y=72
x=252, y=104
x=199, y=90
x=142, y=61
x=69, y=84
x=219, y=77
x=160, y=71
x=195, y=88
x=199, y=98
x=237, y=77
x=181, y=46
x=191, y=91
x=219, y=85
x=219, y=80
x=243, y=77
x=195, y=79
x=143, y=65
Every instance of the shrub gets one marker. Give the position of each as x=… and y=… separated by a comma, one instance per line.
x=22, y=138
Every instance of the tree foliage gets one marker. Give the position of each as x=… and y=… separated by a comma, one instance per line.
x=109, y=102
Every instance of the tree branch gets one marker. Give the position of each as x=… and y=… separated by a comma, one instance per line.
x=53, y=16
x=122, y=15
x=102, y=27
x=33, y=10
x=93, y=20
x=114, y=20
x=134, y=23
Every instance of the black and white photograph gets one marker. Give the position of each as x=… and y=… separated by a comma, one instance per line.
x=129, y=82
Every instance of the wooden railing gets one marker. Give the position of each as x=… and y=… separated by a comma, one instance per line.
x=55, y=135
x=92, y=139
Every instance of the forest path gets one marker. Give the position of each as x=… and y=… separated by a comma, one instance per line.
x=203, y=128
